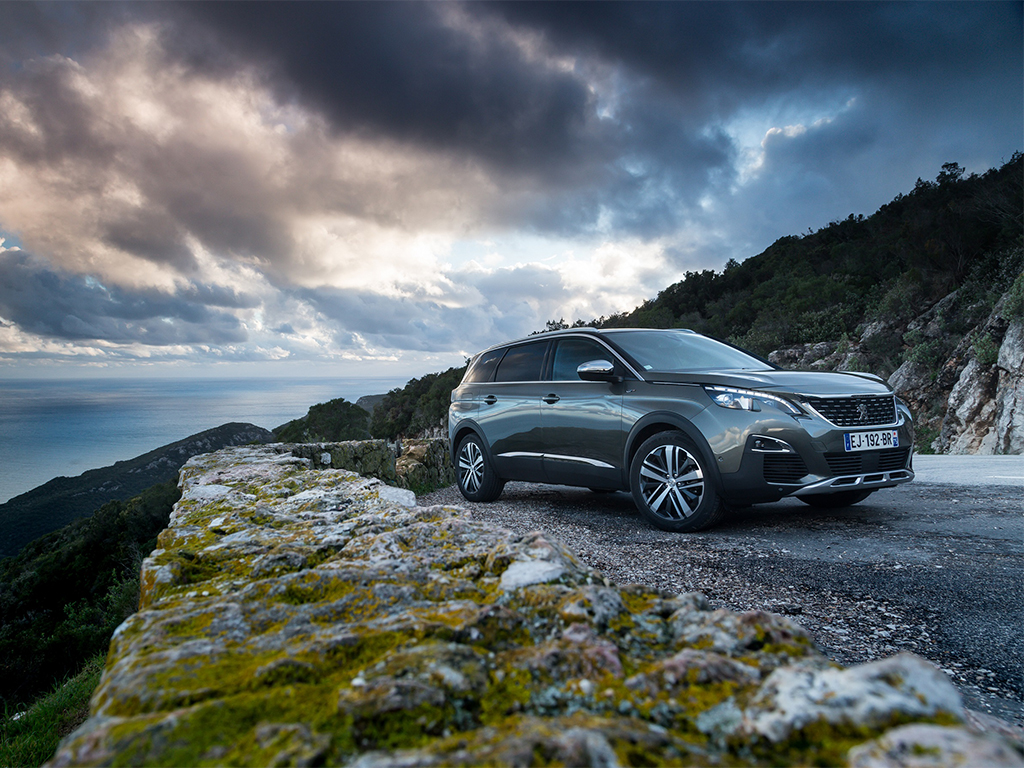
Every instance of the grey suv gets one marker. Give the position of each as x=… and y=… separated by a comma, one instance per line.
x=689, y=425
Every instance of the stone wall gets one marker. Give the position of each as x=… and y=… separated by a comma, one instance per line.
x=300, y=614
x=421, y=465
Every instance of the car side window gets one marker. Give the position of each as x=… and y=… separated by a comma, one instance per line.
x=522, y=363
x=484, y=366
x=571, y=353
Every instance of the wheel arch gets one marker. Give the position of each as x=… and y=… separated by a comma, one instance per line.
x=466, y=428
x=666, y=421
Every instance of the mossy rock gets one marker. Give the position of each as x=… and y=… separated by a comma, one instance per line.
x=298, y=613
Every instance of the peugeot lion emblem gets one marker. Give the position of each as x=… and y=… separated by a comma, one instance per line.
x=862, y=412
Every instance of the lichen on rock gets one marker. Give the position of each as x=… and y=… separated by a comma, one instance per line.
x=298, y=613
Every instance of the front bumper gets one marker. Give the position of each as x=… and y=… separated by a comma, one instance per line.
x=857, y=482
x=801, y=457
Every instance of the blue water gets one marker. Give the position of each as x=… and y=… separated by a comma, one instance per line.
x=51, y=428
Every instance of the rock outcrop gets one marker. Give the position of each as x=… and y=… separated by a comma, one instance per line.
x=965, y=389
x=299, y=614
x=985, y=412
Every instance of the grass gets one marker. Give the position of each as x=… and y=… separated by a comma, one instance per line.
x=30, y=738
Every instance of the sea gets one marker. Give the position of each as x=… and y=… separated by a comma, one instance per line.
x=50, y=428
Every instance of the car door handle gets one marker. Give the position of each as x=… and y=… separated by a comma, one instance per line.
x=490, y=399
x=551, y=399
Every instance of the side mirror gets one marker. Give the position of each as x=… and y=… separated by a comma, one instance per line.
x=598, y=370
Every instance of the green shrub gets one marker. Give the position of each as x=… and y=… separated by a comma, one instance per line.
x=928, y=353
x=334, y=421
x=924, y=438
x=30, y=738
x=986, y=351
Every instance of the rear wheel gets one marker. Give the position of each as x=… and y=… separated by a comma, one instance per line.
x=671, y=484
x=477, y=478
x=835, y=500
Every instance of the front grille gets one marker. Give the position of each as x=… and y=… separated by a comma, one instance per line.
x=869, y=461
x=894, y=458
x=783, y=468
x=856, y=411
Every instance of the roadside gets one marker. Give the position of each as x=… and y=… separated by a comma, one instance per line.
x=968, y=470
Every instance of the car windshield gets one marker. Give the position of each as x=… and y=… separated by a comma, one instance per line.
x=678, y=351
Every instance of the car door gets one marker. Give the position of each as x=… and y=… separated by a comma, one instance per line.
x=581, y=421
x=509, y=412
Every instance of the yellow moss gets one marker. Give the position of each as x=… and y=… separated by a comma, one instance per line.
x=509, y=692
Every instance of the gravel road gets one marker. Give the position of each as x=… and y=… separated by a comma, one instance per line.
x=931, y=569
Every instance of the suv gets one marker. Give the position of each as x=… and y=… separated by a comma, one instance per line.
x=689, y=425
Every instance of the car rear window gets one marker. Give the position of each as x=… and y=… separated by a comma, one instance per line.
x=483, y=367
x=522, y=363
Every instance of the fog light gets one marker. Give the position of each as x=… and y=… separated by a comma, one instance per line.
x=762, y=444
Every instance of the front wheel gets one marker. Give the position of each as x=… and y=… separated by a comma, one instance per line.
x=835, y=500
x=477, y=479
x=671, y=484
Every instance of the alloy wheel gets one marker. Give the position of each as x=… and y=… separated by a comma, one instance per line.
x=671, y=482
x=471, y=467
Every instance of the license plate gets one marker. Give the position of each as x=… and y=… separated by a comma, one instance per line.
x=872, y=441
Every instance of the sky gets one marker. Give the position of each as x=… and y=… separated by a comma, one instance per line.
x=384, y=189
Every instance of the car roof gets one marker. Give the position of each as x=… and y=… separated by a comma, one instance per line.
x=585, y=330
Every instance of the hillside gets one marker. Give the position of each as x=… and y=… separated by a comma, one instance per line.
x=64, y=593
x=954, y=233
x=64, y=499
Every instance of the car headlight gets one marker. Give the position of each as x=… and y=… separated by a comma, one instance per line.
x=749, y=400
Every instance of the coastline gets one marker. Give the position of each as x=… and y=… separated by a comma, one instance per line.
x=54, y=428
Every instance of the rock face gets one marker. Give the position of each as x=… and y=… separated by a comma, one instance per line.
x=986, y=405
x=298, y=614
x=966, y=389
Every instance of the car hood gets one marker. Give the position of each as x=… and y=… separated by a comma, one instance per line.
x=817, y=383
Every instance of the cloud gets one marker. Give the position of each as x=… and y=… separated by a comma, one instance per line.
x=371, y=181
x=427, y=73
x=71, y=307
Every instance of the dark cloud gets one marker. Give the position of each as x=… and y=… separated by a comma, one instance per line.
x=403, y=69
x=64, y=125
x=150, y=233
x=31, y=30
x=75, y=308
x=718, y=55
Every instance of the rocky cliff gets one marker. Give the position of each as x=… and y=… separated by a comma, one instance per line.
x=299, y=614
x=964, y=386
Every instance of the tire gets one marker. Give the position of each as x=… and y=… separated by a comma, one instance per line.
x=672, y=486
x=835, y=500
x=476, y=476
